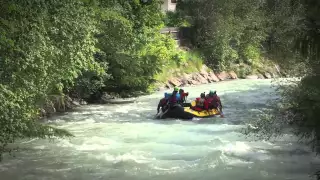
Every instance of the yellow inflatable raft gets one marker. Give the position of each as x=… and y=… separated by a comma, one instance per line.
x=201, y=114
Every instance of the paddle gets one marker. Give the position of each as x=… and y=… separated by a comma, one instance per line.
x=221, y=114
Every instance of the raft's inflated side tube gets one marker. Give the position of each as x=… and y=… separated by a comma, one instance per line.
x=186, y=104
x=201, y=114
x=177, y=112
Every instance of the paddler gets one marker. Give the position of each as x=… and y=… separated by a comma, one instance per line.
x=201, y=103
x=214, y=102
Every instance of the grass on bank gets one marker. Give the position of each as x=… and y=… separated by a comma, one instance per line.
x=190, y=62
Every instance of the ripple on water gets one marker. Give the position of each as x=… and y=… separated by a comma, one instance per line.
x=122, y=142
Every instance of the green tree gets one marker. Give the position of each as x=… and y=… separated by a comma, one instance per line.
x=226, y=32
x=43, y=44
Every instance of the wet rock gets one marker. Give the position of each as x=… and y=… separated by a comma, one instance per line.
x=68, y=102
x=252, y=77
x=43, y=112
x=197, y=77
x=76, y=103
x=207, y=77
x=213, y=77
x=106, y=97
x=223, y=76
x=83, y=102
x=49, y=109
x=184, y=81
x=175, y=81
x=168, y=85
x=278, y=69
x=193, y=82
x=260, y=76
x=267, y=75
x=233, y=75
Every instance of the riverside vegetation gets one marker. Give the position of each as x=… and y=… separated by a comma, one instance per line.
x=53, y=49
x=254, y=33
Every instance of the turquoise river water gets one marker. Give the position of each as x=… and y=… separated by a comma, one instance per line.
x=124, y=142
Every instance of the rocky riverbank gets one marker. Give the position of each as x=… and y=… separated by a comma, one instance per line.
x=207, y=75
x=60, y=104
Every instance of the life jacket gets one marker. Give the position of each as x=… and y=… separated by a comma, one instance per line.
x=173, y=99
x=163, y=102
x=200, y=102
x=183, y=97
x=168, y=96
x=214, y=101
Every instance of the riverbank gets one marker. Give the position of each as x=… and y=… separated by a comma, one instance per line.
x=205, y=75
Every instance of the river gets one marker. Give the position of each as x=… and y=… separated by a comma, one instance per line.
x=120, y=142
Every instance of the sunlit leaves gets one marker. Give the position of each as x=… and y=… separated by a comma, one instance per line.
x=43, y=43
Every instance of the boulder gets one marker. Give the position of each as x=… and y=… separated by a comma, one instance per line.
x=193, y=82
x=233, y=75
x=197, y=77
x=260, y=76
x=68, y=103
x=76, y=103
x=213, y=77
x=184, y=79
x=168, y=85
x=207, y=77
x=83, y=102
x=49, y=109
x=267, y=75
x=175, y=81
x=43, y=113
x=223, y=76
x=252, y=77
x=204, y=70
x=106, y=97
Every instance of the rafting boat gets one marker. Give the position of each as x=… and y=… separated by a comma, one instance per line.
x=201, y=114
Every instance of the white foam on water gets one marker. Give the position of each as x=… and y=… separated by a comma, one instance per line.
x=123, y=142
x=127, y=157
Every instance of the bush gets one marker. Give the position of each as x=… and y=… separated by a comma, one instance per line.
x=42, y=45
x=174, y=19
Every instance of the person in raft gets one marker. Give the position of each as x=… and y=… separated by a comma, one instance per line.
x=183, y=96
x=169, y=99
x=201, y=103
x=214, y=101
x=162, y=104
x=174, y=98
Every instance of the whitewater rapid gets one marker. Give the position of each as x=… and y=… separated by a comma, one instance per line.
x=123, y=142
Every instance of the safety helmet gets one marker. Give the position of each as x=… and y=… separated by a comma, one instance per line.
x=176, y=89
x=212, y=92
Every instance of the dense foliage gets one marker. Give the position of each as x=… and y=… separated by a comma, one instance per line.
x=295, y=43
x=50, y=49
x=284, y=31
x=42, y=44
x=226, y=31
